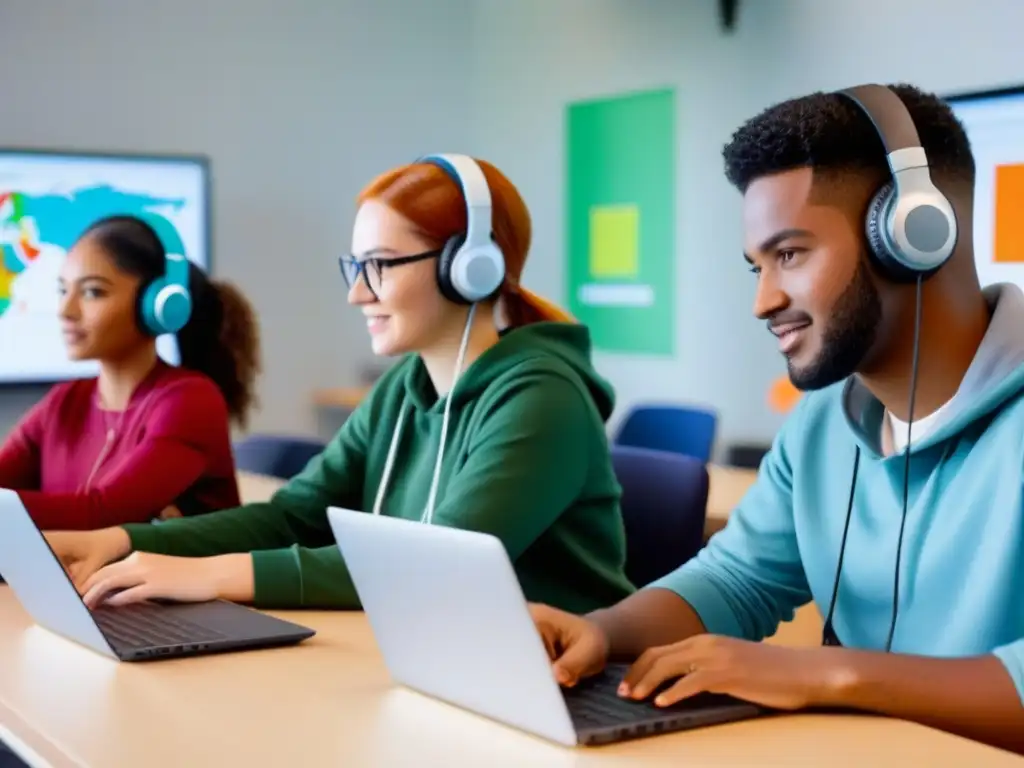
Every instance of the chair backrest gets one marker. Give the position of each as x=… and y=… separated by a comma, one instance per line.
x=275, y=455
x=664, y=505
x=673, y=428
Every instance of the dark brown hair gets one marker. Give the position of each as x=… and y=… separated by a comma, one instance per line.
x=221, y=338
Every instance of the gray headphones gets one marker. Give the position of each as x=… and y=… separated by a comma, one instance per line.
x=911, y=226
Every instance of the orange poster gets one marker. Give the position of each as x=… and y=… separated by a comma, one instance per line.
x=1009, y=214
x=783, y=396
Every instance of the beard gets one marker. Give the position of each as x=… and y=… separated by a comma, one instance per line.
x=850, y=334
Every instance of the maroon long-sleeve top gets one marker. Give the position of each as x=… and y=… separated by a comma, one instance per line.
x=78, y=466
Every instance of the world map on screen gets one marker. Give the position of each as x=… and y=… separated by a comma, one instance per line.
x=39, y=229
x=47, y=200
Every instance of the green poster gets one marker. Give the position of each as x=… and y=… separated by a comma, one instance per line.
x=621, y=155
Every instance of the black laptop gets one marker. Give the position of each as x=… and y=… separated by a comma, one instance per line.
x=141, y=631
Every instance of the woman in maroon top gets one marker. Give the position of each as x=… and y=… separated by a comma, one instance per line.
x=143, y=436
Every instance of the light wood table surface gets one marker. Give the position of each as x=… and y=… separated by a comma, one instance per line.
x=254, y=488
x=728, y=486
x=329, y=702
x=340, y=397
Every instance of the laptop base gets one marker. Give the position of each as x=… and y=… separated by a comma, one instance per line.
x=159, y=630
x=601, y=716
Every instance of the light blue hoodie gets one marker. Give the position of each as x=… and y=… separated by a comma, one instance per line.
x=962, y=571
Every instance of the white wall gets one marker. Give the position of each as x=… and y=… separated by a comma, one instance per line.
x=534, y=56
x=299, y=104
x=298, y=110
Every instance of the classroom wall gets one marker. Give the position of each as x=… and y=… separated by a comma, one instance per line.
x=298, y=110
x=534, y=56
x=298, y=104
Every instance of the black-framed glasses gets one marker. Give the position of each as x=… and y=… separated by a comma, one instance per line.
x=372, y=268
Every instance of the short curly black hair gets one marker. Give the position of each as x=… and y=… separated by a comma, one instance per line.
x=829, y=133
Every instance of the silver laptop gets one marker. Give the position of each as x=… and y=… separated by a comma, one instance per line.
x=141, y=631
x=451, y=622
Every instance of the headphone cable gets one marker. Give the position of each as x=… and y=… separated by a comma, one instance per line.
x=428, y=515
x=906, y=460
x=389, y=463
x=828, y=634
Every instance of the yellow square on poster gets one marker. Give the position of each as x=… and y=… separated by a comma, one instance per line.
x=614, y=241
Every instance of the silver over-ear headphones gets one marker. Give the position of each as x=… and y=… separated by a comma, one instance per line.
x=471, y=266
x=911, y=226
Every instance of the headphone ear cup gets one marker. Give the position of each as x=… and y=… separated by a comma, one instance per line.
x=880, y=241
x=444, y=269
x=145, y=308
x=163, y=308
x=876, y=227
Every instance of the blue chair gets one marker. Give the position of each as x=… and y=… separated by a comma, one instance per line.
x=664, y=505
x=676, y=429
x=275, y=455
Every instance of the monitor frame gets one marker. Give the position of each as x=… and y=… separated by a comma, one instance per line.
x=967, y=98
x=961, y=97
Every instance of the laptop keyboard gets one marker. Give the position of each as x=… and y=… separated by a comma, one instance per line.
x=595, y=702
x=145, y=625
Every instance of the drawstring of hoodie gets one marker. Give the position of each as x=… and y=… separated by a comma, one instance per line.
x=396, y=436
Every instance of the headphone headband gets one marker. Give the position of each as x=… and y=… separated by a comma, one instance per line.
x=889, y=115
x=471, y=266
x=475, y=192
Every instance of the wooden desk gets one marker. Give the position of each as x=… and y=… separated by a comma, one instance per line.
x=727, y=489
x=255, y=488
x=329, y=702
x=340, y=397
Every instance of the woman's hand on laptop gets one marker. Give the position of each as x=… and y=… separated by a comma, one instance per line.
x=82, y=553
x=577, y=647
x=148, y=576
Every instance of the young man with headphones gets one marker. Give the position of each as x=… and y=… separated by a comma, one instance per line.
x=484, y=425
x=892, y=497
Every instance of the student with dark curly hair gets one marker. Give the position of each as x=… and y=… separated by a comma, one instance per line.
x=143, y=437
x=892, y=497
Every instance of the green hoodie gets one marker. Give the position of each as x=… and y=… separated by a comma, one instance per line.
x=526, y=459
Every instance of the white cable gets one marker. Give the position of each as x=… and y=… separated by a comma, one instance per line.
x=389, y=464
x=428, y=515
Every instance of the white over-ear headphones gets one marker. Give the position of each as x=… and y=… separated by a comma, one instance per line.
x=471, y=266
x=911, y=225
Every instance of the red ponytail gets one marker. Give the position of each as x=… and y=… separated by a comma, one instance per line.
x=523, y=307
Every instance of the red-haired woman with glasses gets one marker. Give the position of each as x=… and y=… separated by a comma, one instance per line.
x=493, y=420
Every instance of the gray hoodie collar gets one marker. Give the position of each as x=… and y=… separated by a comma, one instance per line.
x=990, y=380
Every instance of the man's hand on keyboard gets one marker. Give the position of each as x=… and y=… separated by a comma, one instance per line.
x=767, y=674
